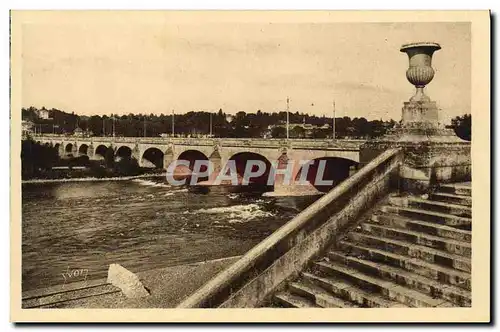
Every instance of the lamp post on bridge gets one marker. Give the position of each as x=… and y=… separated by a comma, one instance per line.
x=173, y=123
x=210, y=124
x=287, y=118
x=333, y=122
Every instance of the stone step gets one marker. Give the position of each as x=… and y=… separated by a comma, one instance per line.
x=451, y=198
x=377, y=238
x=431, y=228
x=351, y=292
x=437, y=272
x=385, y=286
x=434, y=292
x=288, y=300
x=435, y=206
x=455, y=189
x=425, y=215
x=70, y=295
x=450, y=245
x=318, y=295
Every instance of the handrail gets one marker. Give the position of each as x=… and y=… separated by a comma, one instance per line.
x=215, y=285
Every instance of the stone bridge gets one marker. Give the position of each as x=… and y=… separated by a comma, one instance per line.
x=148, y=150
x=341, y=156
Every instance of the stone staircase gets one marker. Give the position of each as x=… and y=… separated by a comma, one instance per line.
x=410, y=252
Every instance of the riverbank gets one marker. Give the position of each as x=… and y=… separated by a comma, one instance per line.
x=167, y=287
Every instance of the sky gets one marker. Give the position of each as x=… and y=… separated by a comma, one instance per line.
x=102, y=67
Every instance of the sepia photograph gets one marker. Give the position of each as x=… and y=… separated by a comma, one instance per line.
x=310, y=165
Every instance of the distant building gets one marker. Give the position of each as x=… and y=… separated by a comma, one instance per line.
x=43, y=114
x=78, y=132
x=325, y=126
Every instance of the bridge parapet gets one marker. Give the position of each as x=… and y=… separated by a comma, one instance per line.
x=319, y=144
x=327, y=144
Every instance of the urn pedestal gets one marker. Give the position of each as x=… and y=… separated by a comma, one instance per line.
x=432, y=153
x=427, y=162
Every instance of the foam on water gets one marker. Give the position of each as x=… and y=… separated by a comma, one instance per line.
x=150, y=183
x=173, y=192
x=236, y=213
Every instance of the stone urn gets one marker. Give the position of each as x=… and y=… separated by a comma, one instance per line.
x=432, y=154
x=420, y=72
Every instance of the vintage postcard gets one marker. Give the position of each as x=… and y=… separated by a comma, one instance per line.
x=250, y=166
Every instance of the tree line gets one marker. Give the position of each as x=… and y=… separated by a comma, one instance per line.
x=36, y=158
x=219, y=123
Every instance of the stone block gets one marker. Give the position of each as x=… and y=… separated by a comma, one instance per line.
x=420, y=114
x=127, y=281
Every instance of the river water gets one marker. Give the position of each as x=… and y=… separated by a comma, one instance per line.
x=140, y=224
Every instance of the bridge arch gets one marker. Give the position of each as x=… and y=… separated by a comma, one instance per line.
x=123, y=152
x=59, y=148
x=68, y=150
x=100, y=151
x=241, y=160
x=83, y=150
x=192, y=156
x=152, y=158
x=336, y=169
